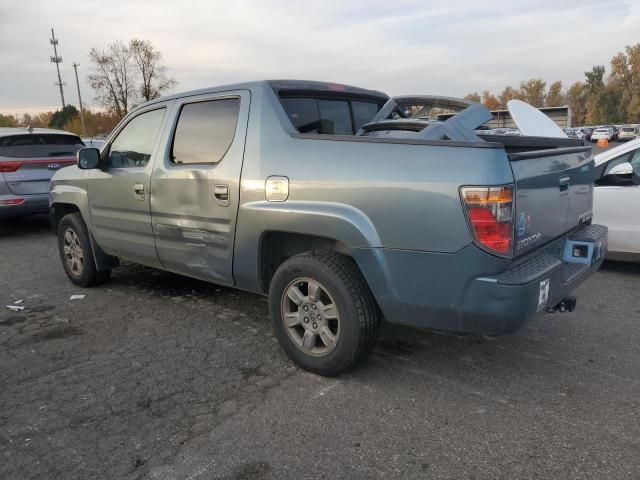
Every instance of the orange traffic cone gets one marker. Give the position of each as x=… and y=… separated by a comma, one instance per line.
x=603, y=143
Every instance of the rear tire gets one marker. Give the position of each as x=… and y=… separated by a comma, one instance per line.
x=323, y=313
x=76, y=254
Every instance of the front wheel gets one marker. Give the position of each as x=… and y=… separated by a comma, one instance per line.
x=323, y=313
x=76, y=253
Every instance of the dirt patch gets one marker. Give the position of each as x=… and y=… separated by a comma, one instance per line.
x=12, y=320
x=56, y=333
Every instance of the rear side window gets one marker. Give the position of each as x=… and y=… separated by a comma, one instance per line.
x=134, y=144
x=205, y=131
x=39, y=145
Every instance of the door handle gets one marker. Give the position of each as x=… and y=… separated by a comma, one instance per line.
x=564, y=185
x=221, y=193
x=138, y=191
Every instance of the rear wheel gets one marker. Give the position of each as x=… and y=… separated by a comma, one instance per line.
x=76, y=253
x=323, y=312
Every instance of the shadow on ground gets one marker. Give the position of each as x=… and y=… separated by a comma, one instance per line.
x=28, y=225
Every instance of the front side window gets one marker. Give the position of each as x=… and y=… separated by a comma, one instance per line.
x=205, y=131
x=134, y=144
x=634, y=160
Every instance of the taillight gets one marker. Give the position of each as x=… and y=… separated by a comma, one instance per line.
x=490, y=214
x=10, y=202
x=6, y=167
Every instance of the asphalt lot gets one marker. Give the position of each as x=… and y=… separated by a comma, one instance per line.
x=157, y=376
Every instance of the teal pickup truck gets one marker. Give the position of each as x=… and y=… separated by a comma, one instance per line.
x=346, y=207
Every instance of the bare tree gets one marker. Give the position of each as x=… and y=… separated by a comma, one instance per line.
x=153, y=74
x=124, y=75
x=113, y=78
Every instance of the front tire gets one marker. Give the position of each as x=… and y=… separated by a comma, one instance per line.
x=323, y=313
x=76, y=253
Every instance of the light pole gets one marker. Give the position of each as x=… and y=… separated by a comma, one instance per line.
x=84, y=130
x=57, y=60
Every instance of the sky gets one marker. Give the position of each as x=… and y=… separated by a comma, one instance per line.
x=450, y=47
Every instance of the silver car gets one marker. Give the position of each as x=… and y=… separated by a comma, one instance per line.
x=627, y=133
x=28, y=160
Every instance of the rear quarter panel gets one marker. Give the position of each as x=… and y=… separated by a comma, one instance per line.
x=363, y=193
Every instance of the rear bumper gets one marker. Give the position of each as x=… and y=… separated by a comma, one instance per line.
x=504, y=303
x=32, y=204
x=447, y=292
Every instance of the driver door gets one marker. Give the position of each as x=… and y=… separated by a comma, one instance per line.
x=119, y=190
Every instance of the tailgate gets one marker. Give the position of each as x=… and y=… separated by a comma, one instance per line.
x=553, y=194
x=29, y=176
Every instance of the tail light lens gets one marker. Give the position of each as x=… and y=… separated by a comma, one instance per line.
x=11, y=202
x=490, y=214
x=12, y=166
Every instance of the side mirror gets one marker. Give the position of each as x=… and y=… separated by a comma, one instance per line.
x=88, y=158
x=622, y=169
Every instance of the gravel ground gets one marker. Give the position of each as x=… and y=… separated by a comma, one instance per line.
x=156, y=376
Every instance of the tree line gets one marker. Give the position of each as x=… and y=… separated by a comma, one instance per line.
x=599, y=99
x=126, y=74
x=122, y=76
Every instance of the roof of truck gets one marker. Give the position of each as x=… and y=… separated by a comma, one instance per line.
x=280, y=85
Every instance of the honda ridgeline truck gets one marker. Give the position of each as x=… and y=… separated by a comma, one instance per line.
x=344, y=206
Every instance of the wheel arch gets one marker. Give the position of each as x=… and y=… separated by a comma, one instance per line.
x=59, y=210
x=277, y=246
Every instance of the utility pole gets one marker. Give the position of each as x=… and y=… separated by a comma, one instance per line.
x=84, y=130
x=57, y=60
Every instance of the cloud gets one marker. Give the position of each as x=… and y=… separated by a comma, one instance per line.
x=399, y=47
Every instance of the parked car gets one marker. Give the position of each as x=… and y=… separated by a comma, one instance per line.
x=587, y=132
x=602, y=133
x=627, y=133
x=506, y=131
x=578, y=133
x=341, y=215
x=93, y=142
x=28, y=160
x=617, y=199
x=570, y=133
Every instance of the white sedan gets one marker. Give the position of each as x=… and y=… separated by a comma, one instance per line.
x=616, y=200
x=602, y=133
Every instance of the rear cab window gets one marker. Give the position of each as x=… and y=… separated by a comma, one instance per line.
x=328, y=109
x=39, y=145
